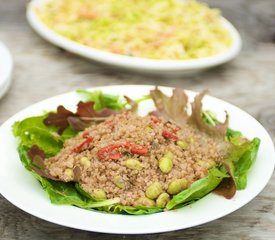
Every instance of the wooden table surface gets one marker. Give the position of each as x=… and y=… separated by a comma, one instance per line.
x=42, y=70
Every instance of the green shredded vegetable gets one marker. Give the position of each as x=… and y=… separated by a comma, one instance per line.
x=154, y=29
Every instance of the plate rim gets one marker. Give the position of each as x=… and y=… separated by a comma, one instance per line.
x=6, y=64
x=145, y=231
x=133, y=63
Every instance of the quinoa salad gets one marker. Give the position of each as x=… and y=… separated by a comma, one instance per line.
x=108, y=158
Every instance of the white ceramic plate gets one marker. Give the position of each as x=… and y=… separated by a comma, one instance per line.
x=20, y=188
x=5, y=69
x=133, y=63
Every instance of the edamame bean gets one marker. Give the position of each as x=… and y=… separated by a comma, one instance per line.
x=182, y=144
x=146, y=202
x=69, y=172
x=85, y=162
x=133, y=164
x=153, y=191
x=209, y=163
x=177, y=186
x=166, y=163
x=162, y=200
x=99, y=194
x=200, y=163
x=119, y=182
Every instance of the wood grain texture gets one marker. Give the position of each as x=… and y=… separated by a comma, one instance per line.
x=42, y=70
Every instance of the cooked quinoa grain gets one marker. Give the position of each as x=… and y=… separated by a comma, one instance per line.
x=121, y=157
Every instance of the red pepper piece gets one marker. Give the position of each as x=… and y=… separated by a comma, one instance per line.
x=176, y=129
x=170, y=135
x=115, y=156
x=82, y=145
x=85, y=135
x=154, y=119
x=136, y=148
x=109, y=152
x=109, y=123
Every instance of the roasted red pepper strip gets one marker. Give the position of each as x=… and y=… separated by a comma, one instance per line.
x=81, y=146
x=169, y=135
x=109, y=152
x=112, y=151
x=115, y=155
x=85, y=135
x=154, y=119
x=136, y=148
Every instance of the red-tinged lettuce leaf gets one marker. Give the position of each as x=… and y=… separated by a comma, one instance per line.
x=96, y=110
x=174, y=108
x=83, y=118
x=133, y=104
x=59, y=119
x=77, y=124
x=86, y=116
x=86, y=109
x=218, y=130
x=77, y=173
x=227, y=188
x=37, y=157
x=238, y=163
x=171, y=108
x=106, y=112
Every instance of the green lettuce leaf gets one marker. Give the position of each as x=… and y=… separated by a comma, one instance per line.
x=103, y=100
x=198, y=189
x=120, y=209
x=32, y=131
x=65, y=193
x=61, y=192
x=117, y=103
x=243, y=156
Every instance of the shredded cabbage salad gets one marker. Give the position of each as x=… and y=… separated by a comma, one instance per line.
x=154, y=29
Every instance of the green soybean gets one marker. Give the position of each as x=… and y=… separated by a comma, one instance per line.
x=177, y=186
x=133, y=164
x=85, y=162
x=99, y=194
x=119, y=182
x=182, y=144
x=146, y=202
x=166, y=163
x=153, y=191
x=209, y=163
x=69, y=172
x=162, y=200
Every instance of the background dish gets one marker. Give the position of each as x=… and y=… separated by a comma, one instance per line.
x=133, y=63
x=21, y=189
x=5, y=69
